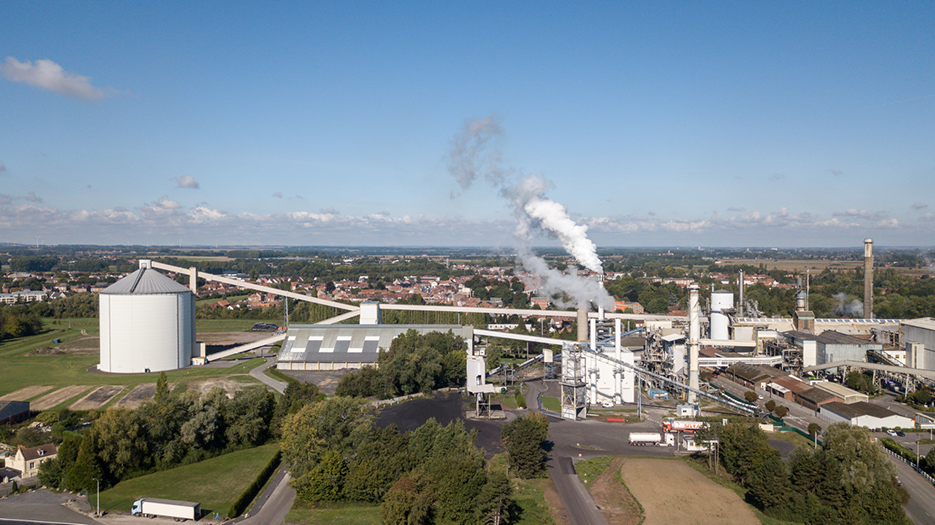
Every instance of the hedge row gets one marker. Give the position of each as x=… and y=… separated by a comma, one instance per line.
x=520, y=400
x=240, y=504
x=903, y=451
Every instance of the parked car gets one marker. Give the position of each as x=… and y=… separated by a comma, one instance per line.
x=900, y=433
x=608, y=404
x=891, y=432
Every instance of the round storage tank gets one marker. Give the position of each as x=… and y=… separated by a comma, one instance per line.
x=147, y=323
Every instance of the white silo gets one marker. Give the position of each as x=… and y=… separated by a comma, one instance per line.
x=147, y=323
x=721, y=302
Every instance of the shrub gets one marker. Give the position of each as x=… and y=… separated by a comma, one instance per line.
x=238, y=506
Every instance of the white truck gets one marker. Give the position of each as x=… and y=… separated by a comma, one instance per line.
x=180, y=510
x=652, y=439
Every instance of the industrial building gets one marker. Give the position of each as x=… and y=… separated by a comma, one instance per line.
x=336, y=347
x=147, y=323
x=864, y=414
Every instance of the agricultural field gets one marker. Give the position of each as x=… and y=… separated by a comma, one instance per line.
x=215, y=482
x=702, y=500
x=57, y=375
x=796, y=265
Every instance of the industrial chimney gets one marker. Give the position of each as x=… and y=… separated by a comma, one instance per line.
x=694, y=340
x=868, y=278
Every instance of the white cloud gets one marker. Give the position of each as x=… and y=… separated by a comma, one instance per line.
x=5, y=199
x=32, y=197
x=864, y=214
x=919, y=206
x=50, y=76
x=186, y=181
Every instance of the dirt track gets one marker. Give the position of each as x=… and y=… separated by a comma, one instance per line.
x=58, y=397
x=97, y=398
x=673, y=492
x=24, y=394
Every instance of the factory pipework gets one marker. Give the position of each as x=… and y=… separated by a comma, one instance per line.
x=694, y=336
x=868, y=278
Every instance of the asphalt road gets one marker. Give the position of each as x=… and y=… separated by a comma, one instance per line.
x=274, y=504
x=41, y=506
x=921, y=494
x=257, y=372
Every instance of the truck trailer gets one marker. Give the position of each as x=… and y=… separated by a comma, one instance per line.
x=644, y=439
x=180, y=510
x=676, y=425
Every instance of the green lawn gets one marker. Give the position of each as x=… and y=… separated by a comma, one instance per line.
x=334, y=513
x=551, y=403
x=230, y=298
x=215, y=483
x=590, y=469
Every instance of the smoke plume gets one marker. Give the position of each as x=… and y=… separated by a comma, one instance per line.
x=472, y=154
x=853, y=309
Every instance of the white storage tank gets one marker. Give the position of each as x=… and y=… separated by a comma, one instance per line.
x=147, y=323
x=721, y=301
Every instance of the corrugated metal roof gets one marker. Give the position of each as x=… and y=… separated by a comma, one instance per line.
x=145, y=281
x=347, y=343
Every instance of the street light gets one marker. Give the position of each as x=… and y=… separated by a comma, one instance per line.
x=98, y=497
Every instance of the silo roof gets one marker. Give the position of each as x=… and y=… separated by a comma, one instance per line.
x=145, y=281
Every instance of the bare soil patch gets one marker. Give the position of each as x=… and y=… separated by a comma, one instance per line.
x=220, y=341
x=25, y=394
x=135, y=397
x=58, y=397
x=89, y=345
x=205, y=385
x=97, y=398
x=326, y=381
x=615, y=502
x=673, y=492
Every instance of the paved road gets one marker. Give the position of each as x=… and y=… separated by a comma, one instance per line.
x=921, y=493
x=40, y=506
x=273, y=505
x=572, y=441
x=257, y=372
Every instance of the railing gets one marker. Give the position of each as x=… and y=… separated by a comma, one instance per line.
x=911, y=464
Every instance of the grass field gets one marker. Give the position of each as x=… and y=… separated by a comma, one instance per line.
x=589, y=469
x=214, y=483
x=334, y=513
x=21, y=370
x=551, y=403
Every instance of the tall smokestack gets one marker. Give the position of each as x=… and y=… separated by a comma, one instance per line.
x=740, y=302
x=600, y=306
x=582, y=324
x=868, y=278
x=694, y=336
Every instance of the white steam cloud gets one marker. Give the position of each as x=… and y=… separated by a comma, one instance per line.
x=854, y=308
x=535, y=213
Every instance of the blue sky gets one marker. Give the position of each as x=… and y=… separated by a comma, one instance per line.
x=656, y=124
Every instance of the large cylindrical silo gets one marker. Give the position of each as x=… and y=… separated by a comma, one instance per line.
x=147, y=323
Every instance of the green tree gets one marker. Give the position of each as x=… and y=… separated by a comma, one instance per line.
x=750, y=396
x=162, y=387
x=769, y=484
x=495, y=502
x=525, y=439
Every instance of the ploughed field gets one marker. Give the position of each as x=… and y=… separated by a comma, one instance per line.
x=672, y=492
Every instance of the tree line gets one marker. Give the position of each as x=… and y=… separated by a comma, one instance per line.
x=847, y=481
x=433, y=474
x=174, y=428
x=414, y=363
